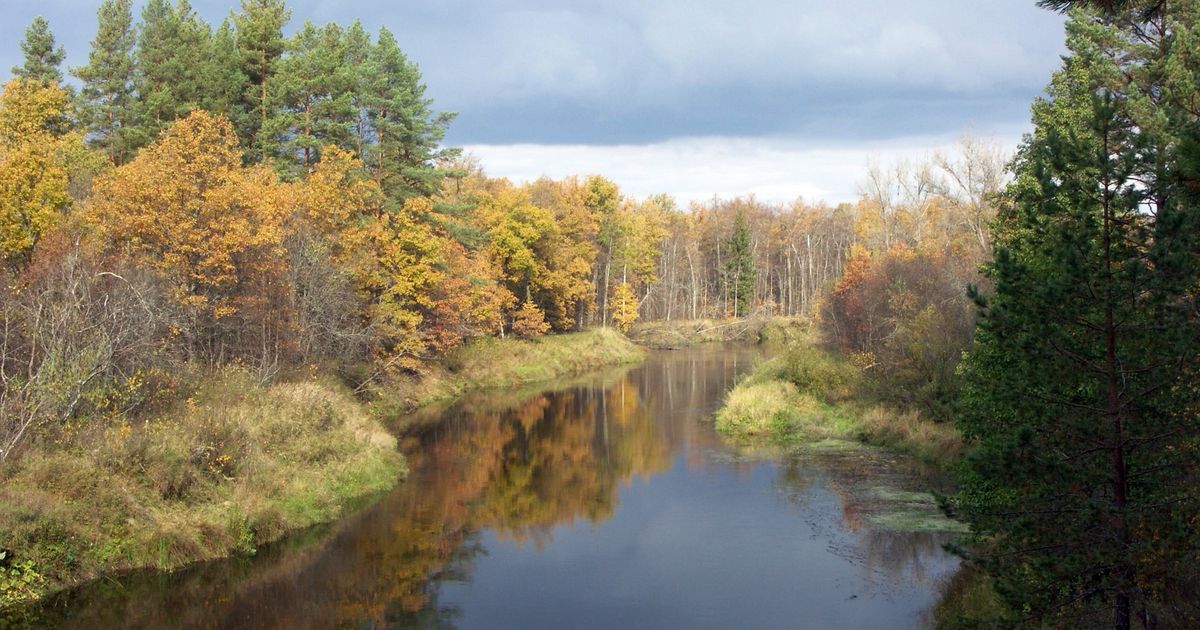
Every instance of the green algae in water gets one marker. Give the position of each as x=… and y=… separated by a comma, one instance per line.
x=916, y=521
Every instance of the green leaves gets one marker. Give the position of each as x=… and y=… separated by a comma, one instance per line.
x=19, y=580
x=106, y=105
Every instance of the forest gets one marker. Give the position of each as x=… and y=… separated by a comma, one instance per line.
x=196, y=197
x=235, y=196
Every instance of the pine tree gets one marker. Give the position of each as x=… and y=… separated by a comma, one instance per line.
x=42, y=58
x=171, y=59
x=223, y=75
x=106, y=99
x=407, y=131
x=356, y=53
x=739, y=267
x=312, y=100
x=260, y=43
x=1081, y=390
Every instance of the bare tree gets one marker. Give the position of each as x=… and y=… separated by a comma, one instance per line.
x=970, y=180
x=74, y=327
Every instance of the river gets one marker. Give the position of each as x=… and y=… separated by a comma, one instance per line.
x=606, y=502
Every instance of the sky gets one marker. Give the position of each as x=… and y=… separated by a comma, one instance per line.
x=694, y=98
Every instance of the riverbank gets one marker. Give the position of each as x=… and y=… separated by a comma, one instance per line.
x=807, y=398
x=491, y=363
x=806, y=395
x=237, y=465
x=673, y=335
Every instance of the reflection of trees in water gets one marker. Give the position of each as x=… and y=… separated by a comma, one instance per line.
x=519, y=466
x=566, y=456
x=903, y=555
x=520, y=463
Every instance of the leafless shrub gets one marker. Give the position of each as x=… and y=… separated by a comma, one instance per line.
x=71, y=327
x=325, y=304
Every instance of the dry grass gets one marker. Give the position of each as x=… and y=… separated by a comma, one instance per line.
x=489, y=363
x=686, y=333
x=237, y=466
x=906, y=431
x=778, y=410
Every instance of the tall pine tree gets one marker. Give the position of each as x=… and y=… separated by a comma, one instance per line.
x=43, y=60
x=224, y=77
x=407, y=131
x=106, y=103
x=1081, y=390
x=312, y=99
x=260, y=43
x=172, y=56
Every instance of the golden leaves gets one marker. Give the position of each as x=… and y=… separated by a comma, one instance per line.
x=34, y=154
x=186, y=207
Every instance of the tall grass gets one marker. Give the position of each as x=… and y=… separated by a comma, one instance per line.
x=807, y=394
x=236, y=466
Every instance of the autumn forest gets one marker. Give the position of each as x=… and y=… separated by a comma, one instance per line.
x=197, y=206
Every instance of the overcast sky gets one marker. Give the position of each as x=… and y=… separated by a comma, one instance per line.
x=780, y=98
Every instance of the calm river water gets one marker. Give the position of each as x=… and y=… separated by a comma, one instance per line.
x=608, y=502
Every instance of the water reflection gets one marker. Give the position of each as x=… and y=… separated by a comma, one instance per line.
x=605, y=502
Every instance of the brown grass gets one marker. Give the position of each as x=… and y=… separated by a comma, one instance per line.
x=236, y=466
x=490, y=363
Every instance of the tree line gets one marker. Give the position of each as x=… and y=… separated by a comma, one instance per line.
x=211, y=196
x=232, y=195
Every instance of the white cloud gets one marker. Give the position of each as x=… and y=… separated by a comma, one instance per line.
x=696, y=169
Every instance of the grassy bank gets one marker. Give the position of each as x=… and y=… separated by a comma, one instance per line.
x=235, y=466
x=489, y=363
x=687, y=333
x=806, y=395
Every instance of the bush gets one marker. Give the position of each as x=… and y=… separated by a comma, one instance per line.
x=81, y=337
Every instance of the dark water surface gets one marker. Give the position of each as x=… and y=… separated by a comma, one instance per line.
x=605, y=503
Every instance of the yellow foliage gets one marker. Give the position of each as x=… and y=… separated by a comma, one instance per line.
x=188, y=208
x=404, y=269
x=35, y=151
x=528, y=321
x=31, y=109
x=336, y=195
x=624, y=306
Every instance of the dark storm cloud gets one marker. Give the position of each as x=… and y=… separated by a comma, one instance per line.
x=624, y=71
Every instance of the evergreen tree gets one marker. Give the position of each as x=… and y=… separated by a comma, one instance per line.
x=407, y=131
x=172, y=58
x=260, y=43
x=42, y=58
x=739, y=267
x=223, y=75
x=312, y=100
x=106, y=104
x=356, y=53
x=1081, y=390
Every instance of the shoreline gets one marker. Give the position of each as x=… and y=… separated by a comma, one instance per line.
x=240, y=465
